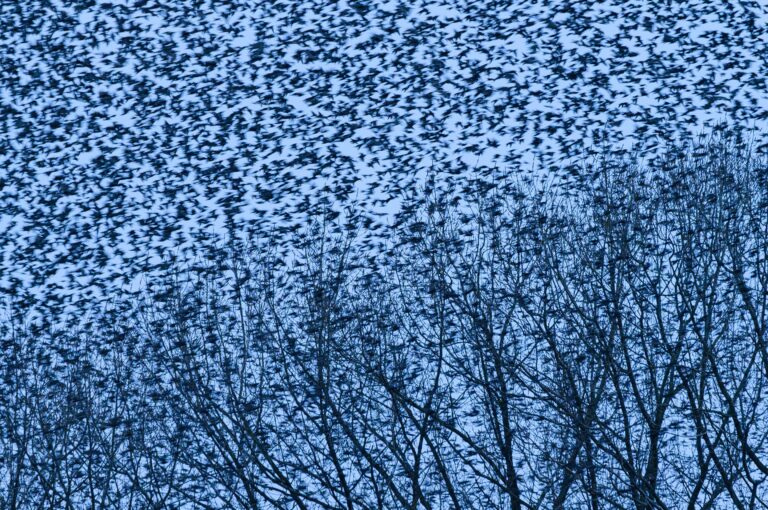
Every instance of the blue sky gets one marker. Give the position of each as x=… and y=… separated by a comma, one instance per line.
x=132, y=126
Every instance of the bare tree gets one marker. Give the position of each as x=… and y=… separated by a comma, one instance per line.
x=506, y=346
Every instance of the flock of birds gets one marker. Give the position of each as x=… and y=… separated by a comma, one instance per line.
x=137, y=130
